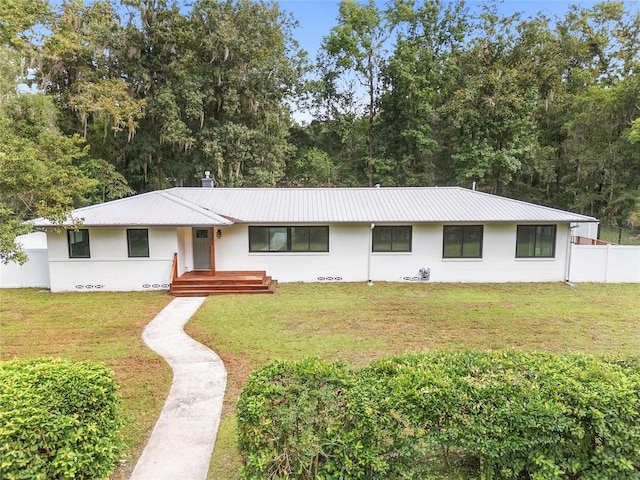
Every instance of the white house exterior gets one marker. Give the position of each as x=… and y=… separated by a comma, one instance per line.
x=446, y=234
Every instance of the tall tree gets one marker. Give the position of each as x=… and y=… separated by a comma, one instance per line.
x=356, y=46
x=165, y=93
x=40, y=173
x=418, y=78
x=605, y=167
x=43, y=172
x=21, y=22
x=490, y=114
x=80, y=65
x=247, y=67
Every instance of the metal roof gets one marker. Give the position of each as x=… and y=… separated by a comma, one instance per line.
x=222, y=206
x=158, y=208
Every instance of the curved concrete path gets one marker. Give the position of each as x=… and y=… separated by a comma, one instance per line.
x=182, y=440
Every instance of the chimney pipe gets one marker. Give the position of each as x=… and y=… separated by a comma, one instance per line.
x=207, y=181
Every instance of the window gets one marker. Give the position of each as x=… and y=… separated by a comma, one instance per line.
x=78, y=241
x=392, y=239
x=536, y=241
x=462, y=241
x=289, y=239
x=138, y=242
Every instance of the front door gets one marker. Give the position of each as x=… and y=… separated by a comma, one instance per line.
x=202, y=249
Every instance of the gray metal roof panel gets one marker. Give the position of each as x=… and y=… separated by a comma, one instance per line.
x=151, y=209
x=215, y=206
x=393, y=205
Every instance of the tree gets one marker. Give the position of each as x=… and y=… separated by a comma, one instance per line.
x=246, y=66
x=605, y=171
x=19, y=22
x=39, y=173
x=43, y=173
x=587, y=50
x=356, y=46
x=418, y=77
x=166, y=94
x=490, y=113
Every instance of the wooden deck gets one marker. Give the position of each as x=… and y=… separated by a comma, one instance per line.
x=204, y=283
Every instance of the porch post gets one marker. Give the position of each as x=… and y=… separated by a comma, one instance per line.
x=213, y=251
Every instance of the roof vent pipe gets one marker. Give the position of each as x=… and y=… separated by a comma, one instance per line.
x=207, y=181
x=377, y=185
x=473, y=186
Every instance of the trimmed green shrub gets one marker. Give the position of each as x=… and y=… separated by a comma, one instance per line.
x=504, y=415
x=58, y=419
x=312, y=419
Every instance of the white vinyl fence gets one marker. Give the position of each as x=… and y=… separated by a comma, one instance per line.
x=605, y=263
x=34, y=273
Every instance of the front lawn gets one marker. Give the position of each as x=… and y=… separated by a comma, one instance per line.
x=102, y=327
x=357, y=323
x=352, y=322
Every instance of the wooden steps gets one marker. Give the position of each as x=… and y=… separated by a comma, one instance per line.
x=204, y=283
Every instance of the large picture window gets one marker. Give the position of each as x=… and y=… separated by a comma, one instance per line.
x=138, y=242
x=462, y=241
x=392, y=239
x=536, y=241
x=78, y=241
x=289, y=239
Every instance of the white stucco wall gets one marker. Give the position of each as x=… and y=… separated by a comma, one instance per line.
x=348, y=258
x=586, y=229
x=109, y=267
x=185, y=249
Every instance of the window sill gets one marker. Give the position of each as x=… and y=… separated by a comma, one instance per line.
x=536, y=259
x=391, y=253
x=463, y=259
x=288, y=254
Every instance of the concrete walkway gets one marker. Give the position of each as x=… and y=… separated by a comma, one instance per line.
x=182, y=440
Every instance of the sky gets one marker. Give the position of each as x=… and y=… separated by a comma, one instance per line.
x=317, y=17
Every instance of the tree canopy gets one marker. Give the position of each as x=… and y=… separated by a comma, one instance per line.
x=134, y=95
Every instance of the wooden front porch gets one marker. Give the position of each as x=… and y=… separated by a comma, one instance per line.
x=204, y=283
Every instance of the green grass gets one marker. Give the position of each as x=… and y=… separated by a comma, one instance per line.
x=357, y=323
x=101, y=327
x=613, y=234
x=352, y=322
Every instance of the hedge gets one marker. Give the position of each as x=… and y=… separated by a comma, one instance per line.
x=504, y=415
x=58, y=419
